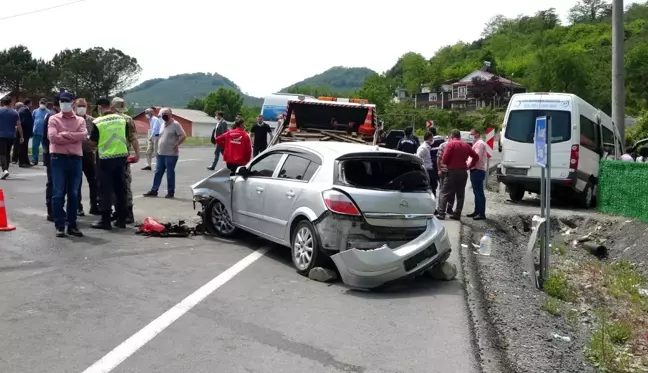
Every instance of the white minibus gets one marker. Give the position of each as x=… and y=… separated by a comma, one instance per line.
x=581, y=135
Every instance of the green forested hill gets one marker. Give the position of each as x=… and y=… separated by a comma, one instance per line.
x=336, y=79
x=538, y=51
x=178, y=90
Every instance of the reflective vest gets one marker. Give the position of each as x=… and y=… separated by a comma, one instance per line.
x=112, y=136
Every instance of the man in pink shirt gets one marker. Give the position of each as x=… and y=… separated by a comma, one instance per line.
x=66, y=132
x=478, y=176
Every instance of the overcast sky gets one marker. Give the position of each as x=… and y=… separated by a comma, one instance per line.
x=261, y=45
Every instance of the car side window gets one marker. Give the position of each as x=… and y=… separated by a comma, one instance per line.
x=294, y=168
x=266, y=166
x=310, y=171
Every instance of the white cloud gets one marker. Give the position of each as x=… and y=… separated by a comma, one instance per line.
x=262, y=45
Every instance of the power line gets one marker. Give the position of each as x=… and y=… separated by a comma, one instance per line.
x=42, y=10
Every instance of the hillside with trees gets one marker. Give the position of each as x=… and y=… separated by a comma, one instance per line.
x=177, y=90
x=336, y=80
x=539, y=51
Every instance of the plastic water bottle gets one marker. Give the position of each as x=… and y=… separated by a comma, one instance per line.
x=485, y=244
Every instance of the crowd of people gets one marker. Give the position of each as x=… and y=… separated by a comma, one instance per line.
x=449, y=165
x=76, y=144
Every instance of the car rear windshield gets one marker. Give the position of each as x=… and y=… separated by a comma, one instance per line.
x=384, y=174
x=521, y=125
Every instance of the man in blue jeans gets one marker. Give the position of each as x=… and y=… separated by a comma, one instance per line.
x=221, y=128
x=478, y=176
x=66, y=132
x=168, y=153
x=39, y=128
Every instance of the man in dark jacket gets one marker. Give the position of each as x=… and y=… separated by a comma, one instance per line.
x=21, y=150
x=46, y=159
x=409, y=143
x=221, y=128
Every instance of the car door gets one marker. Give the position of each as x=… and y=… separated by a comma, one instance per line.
x=283, y=193
x=248, y=192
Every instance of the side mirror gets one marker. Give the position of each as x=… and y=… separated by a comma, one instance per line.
x=242, y=171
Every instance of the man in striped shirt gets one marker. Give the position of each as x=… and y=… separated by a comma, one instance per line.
x=443, y=172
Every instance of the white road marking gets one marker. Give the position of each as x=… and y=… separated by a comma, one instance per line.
x=155, y=327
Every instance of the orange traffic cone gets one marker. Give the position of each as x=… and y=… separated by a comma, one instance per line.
x=367, y=127
x=292, y=126
x=4, y=225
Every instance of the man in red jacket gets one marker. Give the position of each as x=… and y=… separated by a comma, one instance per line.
x=455, y=157
x=236, y=145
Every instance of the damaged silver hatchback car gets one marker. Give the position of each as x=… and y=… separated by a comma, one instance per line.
x=369, y=209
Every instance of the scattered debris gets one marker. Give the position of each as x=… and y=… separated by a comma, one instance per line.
x=595, y=249
x=561, y=337
x=153, y=228
x=322, y=274
x=443, y=272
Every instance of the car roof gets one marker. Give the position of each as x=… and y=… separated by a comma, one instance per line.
x=332, y=148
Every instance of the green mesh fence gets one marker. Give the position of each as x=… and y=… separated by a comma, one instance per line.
x=622, y=189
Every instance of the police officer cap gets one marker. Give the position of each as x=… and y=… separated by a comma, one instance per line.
x=65, y=96
x=103, y=102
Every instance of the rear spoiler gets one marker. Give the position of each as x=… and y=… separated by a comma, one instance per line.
x=382, y=155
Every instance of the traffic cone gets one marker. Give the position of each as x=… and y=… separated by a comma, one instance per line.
x=292, y=126
x=367, y=127
x=4, y=225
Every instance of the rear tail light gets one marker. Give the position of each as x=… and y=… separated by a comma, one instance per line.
x=573, y=158
x=339, y=203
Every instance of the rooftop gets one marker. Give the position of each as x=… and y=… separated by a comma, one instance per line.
x=333, y=148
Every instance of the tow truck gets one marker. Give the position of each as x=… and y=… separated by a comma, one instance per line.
x=327, y=119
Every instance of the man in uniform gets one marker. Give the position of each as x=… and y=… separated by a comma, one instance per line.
x=110, y=135
x=120, y=108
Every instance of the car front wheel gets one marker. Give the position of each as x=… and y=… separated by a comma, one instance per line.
x=306, y=254
x=218, y=220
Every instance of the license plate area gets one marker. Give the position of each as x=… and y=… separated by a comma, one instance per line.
x=517, y=171
x=419, y=258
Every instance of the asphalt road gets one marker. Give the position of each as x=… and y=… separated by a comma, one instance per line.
x=83, y=305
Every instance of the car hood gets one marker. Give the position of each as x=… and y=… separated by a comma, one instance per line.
x=217, y=184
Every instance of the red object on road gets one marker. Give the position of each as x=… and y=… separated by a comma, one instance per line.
x=151, y=225
x=4, y=223
x=490, y=141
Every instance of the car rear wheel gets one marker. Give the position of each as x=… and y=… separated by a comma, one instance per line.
x=218, y=220
x=305, y=248
x=586, y=197
x=516, y=193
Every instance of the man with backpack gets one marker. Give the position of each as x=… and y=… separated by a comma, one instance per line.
x=409, y=143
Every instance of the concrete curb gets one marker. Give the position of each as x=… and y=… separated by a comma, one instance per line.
x=485, y=339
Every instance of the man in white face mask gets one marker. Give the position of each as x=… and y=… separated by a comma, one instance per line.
x=89, y=166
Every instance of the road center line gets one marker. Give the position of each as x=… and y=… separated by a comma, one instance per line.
x=155, y=327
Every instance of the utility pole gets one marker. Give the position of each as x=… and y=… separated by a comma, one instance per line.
x=618, y=91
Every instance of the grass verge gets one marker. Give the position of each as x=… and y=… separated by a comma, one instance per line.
x=619, y=296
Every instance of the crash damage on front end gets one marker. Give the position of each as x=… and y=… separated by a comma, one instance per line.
x=217, y=186
x=370, y=256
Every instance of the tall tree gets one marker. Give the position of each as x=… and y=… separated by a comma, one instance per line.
x=377, y=90
x=96, y=72
x=416, y=72
x=223, y=99
x=16, y=64
x=589, y=11
x=495, y=25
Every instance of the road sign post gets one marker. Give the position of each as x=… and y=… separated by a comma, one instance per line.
x=542, y=145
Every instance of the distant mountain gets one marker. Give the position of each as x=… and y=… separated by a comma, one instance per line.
x=176, y=91
x=338, y=78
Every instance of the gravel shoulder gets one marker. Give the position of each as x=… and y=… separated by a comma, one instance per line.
x=593, y=314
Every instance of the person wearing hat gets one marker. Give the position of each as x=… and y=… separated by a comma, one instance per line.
x=119, y=106
x=66, y=133
x=110, y=135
